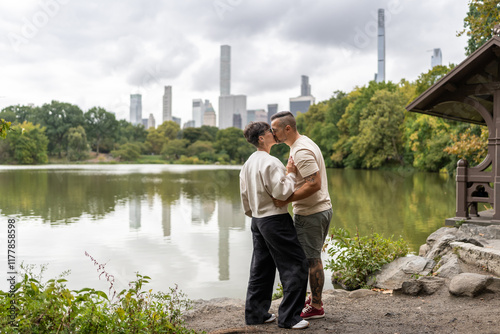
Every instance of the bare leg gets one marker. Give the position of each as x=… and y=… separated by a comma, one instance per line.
x=316, y=281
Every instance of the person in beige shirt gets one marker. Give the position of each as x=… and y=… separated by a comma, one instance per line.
x=311, y=203
x=275, y=244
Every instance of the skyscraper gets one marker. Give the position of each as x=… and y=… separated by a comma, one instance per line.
x=209, y=117
x=198, y=111
x=229, y=105
x=167, y=104
x=271, y=110
x=381, y=47
x=135, y=109
x=436, y=58
x=305, y=87
x=225, y=70
x=151, y=122
x=302, y=102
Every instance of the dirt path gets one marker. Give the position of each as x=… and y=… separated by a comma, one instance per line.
x=377, y=313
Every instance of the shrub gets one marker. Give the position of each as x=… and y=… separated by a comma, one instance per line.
x=51, y=307
x=353, y=259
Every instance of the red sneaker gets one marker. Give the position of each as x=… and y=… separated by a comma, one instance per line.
x=310, y=312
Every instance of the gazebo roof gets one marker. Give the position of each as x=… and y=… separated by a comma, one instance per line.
x=476, y=78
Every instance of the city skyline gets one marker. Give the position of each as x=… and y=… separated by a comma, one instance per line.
x=48, y=49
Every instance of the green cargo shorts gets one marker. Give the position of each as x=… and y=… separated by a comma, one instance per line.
x=312, y=231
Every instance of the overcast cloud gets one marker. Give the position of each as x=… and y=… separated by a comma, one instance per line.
x=97, y=53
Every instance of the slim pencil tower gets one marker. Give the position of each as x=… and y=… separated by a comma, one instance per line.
x=381, y=47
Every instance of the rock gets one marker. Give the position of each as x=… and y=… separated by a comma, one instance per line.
x=418, y=265
x=448, y=266
x=426, y=285
x=431, y=239
x=441, y=246
x=361, y=293
x=487, y=232
x=486, y=258
x=411, y=287
x=423, y=250
x=469, y=284
x=494, y=285
x=392, y=275
x=430, y=284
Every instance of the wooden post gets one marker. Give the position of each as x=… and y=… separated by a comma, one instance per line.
x=495, y=164
x=462, y=190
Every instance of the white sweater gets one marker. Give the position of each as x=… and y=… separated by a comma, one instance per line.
x=261, y=178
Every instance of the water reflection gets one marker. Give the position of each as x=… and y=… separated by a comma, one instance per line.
x=185, y=223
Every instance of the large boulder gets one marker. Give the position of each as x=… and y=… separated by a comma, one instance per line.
x=425, y=285
x=469, y=284
x=392, y=275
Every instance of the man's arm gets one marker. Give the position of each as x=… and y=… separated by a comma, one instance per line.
x=312, y=185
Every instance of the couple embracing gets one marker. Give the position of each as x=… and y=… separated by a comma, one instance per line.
x=293, y=246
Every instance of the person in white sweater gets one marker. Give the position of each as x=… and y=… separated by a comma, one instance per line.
x=275, y=244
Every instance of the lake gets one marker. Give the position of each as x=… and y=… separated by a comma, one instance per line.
x=183, y=224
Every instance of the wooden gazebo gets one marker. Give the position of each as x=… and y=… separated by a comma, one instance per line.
x=471, y=93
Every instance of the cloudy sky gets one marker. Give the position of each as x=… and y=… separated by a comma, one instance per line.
x=96, y=53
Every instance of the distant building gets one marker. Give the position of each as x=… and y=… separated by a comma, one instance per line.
x=136, y=109
x=303, y=102
x=436, y=58
x=271, y=110
x=229, y=105
x=237, y=121
x=257, y=115
x=198, y=110
x=232, y=105
x=151, y=122
x=145, y=123
x=260, y=115
x=167, y=104
x=189, y=124
x=380, y=76
x=225, y=70
x=176, y=120
x=209, y=117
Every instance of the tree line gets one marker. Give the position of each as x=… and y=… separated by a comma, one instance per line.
x=365, y=128
x=64, y=131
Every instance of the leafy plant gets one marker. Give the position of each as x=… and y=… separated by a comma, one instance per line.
x=51, y=307
x=279, y=292
x=353, y=259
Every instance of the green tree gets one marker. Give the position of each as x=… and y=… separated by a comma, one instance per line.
x=4, y=127
x=127, y=152
x=100, y=125
x=18, y=113
x=77, y=144
x=158, y=137
x=127, y=132
x=58, y=118
x=349, y=123
x=479, y=23
x=28, y=143
x=380, y=139
x=231, y=141
x=202, y=149
x=174, y=148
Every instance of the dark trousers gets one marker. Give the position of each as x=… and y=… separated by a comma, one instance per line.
x=275, y=245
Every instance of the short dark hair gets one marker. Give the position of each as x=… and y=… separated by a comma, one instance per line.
x=286, y=118
x=253, y=130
